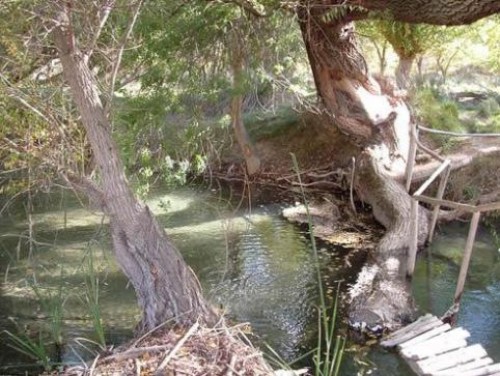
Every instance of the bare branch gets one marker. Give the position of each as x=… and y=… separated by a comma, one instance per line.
x=126, y=36
x=104, y=13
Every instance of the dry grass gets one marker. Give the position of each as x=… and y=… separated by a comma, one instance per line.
x=221, y=350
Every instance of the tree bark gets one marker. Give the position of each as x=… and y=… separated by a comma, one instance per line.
x=165, y=286
x=403, y=71
x=378, y=121
x=251, y=159
x=436, y=12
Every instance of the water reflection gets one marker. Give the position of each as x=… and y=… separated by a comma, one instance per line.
x=258, y=267
x=436, y=276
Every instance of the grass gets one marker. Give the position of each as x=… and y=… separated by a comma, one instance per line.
x=34, y=349
x=53, y=305
x=92, y=299
x=329, y=350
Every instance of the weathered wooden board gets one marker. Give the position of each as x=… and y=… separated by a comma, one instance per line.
x=426, y=336
x=415, y=330
x=432, y=348
x=448, y=341
x=479, y=363
x=453, y=359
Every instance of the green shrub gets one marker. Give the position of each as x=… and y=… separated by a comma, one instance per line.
x=437, y=112
x=489, y=107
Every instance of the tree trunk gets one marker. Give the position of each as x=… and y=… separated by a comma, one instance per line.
x=165, y=286
x=251, y=159
x=403, y=71
x=379, y=122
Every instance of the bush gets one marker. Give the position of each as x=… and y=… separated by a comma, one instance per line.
x=437, y=112
x=488, y=107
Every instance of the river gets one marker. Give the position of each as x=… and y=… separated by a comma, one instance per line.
x=252, y=264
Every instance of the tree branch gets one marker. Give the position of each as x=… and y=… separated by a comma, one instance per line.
x=435, y=12
x=126, y=36
x=245, y=5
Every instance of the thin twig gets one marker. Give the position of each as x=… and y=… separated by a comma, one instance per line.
x=176, y=348
x=151, y=331
x=231, y=366
x=351, y=188
x=128, y=32
x=92, y=368
x=131, y=353
x=104, y=13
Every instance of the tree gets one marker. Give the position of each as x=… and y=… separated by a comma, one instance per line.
x=166, y=287
x=408, y=41
x=237, y=57
x=377, y=120
x=373, y=117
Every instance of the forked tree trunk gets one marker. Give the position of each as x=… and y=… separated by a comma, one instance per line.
x=380, y=124
x=165, y=286
x=252, y=160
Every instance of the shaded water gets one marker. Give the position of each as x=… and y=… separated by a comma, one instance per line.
x=256, y=266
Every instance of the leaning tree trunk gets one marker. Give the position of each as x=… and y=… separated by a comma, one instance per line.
x=165, y=286
x=252, y=160
x=379, y=122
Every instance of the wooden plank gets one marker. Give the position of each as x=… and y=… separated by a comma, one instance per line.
x=467, y=255
x=489, y=207
x=452, y=359
x=426, y=336
x=420, y=321
x=448, y=341
x=475, y=364
x=412, y=331
x=446, y=203
x=437, y=349
x=433, y=177
x=415, y=332
x=435, y=212
x=483, y=371
x=412, y=250
x=412, y=153
x=457, y=333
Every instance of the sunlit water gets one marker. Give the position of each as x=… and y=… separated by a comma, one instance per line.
x=253, y=265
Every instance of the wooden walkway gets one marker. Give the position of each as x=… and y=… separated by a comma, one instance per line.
x=433, y=348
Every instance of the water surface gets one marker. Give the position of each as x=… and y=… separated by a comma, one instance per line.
x=252, y=264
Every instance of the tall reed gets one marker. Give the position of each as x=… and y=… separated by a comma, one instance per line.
x=52, y=304
x=34, y=349
x=329, y=350
x=92, y=291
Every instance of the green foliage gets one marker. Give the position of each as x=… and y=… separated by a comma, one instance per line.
x=488, y=107
x=170, y=147
x=437, y=112
x=487, y=32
